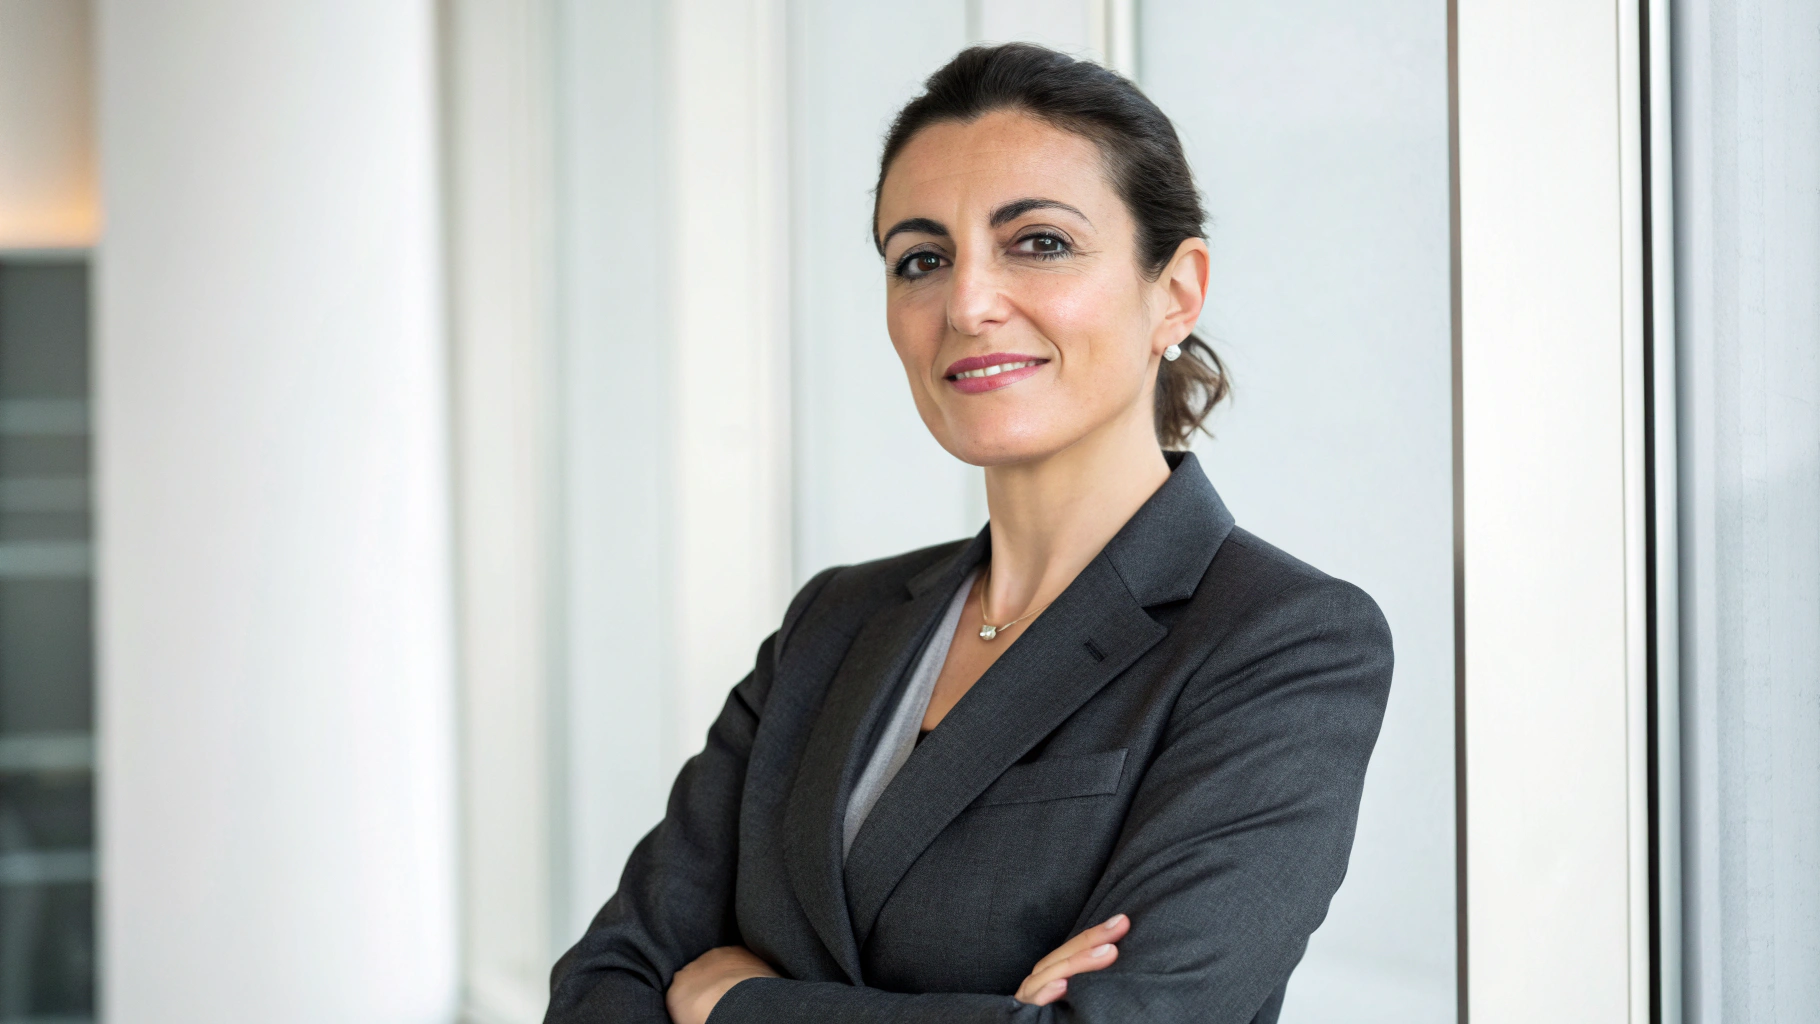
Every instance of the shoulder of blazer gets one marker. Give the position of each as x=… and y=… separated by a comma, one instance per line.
x=1250, y=565
x=1252, y=582
x=842, y=597
x=1253, y=585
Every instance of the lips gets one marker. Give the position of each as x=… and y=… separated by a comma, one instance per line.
x=991, y=372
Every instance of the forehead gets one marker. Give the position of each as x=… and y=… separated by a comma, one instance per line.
x=953, y=166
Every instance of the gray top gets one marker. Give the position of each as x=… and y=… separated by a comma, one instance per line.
x=899, y=737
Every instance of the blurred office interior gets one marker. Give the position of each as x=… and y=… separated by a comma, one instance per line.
x=414, y=415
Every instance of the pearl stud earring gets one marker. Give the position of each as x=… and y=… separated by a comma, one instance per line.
x=1172, y=353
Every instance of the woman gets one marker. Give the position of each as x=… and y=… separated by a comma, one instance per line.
x=1102, y=762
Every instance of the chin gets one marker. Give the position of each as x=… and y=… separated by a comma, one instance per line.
x=1003, y=441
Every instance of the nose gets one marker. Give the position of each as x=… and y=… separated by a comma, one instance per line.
x=977, y=302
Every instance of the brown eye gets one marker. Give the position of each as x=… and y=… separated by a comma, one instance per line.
x=1044, y=246
x=919, y=264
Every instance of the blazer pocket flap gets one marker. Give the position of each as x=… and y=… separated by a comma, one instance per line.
x=1057, y=778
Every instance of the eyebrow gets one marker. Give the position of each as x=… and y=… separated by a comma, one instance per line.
x=1000, y=217
x=1018, y=207
x=920, y=225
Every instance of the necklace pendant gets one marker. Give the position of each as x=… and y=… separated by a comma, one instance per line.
x=988, y=632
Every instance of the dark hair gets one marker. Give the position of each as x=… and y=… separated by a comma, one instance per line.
x=1143, y=158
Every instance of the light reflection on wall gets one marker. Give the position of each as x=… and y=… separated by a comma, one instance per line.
x=48, y=196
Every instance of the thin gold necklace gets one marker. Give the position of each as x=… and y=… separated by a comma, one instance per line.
x=987, y=630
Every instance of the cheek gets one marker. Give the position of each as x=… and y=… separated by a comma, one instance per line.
x=1099, y=325
x=1074, y=303
x=916, y=326
x=916, y=311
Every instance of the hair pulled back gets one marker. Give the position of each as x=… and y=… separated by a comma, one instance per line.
x=1143, y=158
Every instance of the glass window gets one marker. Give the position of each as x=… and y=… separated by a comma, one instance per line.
x=47, y=860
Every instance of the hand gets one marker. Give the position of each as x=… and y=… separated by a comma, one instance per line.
x=1091, y=950
x=698, y=987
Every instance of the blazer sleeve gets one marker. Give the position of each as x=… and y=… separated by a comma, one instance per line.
x=675, y=897
x=1237, y=838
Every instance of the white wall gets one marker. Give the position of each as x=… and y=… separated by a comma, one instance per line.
x=1318, y=131
x=1100, y=30
x=614, y=731
x=275, y=643
x=672, y=241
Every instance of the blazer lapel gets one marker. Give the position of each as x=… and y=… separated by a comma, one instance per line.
x=1093, y=632
x=1073, y=649
x=863, y=688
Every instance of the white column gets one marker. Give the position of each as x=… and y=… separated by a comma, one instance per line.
x=499, y=110
x=730, y=435
x=276, y=681
x=1550, y=378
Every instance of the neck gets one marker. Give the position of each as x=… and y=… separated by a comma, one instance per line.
x=1050, y=517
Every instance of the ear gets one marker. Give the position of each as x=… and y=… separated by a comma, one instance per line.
x=1182, y=291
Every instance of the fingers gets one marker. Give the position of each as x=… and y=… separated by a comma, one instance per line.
x=1091, y=950
x=1051, y=983
x=1111, y=930
x=1047, y=994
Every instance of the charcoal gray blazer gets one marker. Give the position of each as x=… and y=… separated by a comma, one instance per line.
x=1181, y=737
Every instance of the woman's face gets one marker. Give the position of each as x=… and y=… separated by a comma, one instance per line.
x=1014, y=296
